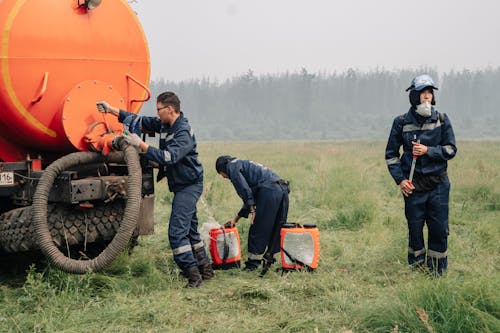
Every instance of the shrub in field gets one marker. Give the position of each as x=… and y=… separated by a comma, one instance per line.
x=436, y=305
x=483, y=195
x=350, y=218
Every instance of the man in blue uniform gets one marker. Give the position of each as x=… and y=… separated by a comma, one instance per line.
x=265, y=198
x=178, y=161
x=426, y=136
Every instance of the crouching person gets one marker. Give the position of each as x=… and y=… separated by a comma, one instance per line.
x=178, y=161
x=265, y=198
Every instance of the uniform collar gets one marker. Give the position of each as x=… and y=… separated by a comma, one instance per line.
x=176, y=124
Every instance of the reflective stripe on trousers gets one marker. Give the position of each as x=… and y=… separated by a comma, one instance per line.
x=183, y=226
x=429, y=208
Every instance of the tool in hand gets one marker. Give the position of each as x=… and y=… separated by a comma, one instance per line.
x=413, y=163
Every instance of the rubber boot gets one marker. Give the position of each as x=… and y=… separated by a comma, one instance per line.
x=267, y=262
x=204, y=266
x=251, y=265
x=194, y=277
x=437, y=266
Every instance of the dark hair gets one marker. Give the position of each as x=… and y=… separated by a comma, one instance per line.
x=221, y=163
x=169, y=98
x=415, y=96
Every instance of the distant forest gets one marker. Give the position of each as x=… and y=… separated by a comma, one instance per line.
x=320, y=106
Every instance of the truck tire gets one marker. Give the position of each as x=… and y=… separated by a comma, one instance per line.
x=68, y=225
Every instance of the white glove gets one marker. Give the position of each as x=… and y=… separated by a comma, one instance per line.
x=132, y=139
x=103, y=107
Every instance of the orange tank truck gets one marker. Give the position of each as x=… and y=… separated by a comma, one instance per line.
x=63, y=190
x=57, y=59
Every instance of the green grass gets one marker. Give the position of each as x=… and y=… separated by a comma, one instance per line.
x=362, y=284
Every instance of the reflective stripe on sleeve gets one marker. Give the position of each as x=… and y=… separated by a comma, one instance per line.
x=182, y=249
x=449, y=150
x=166, y=156
x=394, y=160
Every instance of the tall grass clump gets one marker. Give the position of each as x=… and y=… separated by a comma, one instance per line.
x=436, y=305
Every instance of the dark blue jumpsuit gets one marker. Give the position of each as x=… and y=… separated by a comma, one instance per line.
x=178, y=160
x=428, y=204
x=261, y=187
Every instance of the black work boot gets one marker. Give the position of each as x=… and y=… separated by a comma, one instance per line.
x=204, y=266
x=251, y=265
x=267, y=262
x=194, y=277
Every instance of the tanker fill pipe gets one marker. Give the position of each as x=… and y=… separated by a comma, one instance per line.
x=127, y=226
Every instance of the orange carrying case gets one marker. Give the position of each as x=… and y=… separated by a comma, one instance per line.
x=225, y=248
x=299, y=246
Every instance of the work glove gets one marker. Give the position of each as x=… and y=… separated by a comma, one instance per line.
x=133, y=140
x=103, y=107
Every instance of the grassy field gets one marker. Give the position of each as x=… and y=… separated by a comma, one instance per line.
x=363, y=283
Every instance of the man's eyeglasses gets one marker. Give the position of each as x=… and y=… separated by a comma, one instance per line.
x=158, y=110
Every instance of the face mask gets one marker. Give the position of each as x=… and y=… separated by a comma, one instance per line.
x=424, y=109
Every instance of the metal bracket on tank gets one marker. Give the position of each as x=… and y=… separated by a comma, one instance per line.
x=142, y=86
x=38, y=98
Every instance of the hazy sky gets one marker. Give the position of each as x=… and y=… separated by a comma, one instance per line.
x=223, y=38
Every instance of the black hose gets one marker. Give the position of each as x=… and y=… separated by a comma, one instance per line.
x=127, y=226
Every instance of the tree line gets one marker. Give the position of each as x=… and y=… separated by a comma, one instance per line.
x=325, y=106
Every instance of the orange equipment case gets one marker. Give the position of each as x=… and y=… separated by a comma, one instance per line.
x=225, y=248
x=299, y=246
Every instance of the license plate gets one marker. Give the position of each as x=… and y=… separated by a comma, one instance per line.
x=7, y=178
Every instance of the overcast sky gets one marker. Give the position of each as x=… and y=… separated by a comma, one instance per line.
x=224, y=38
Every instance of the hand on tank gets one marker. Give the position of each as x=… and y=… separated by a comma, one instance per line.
x=419, y=149
x=103, y=107
x=406, y=187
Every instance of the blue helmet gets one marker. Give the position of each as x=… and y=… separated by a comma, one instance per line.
x=422, y=81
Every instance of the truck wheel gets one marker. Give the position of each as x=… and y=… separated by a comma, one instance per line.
x=68, y=226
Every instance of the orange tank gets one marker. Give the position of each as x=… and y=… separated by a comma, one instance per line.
x=56, y=60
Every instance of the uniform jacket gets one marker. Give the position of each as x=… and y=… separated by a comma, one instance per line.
x=247, y=177
x=176, y=155
x=434, y=132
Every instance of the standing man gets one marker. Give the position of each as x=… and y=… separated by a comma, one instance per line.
x=427, y=137
x=265, y=198
x=178, y=161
